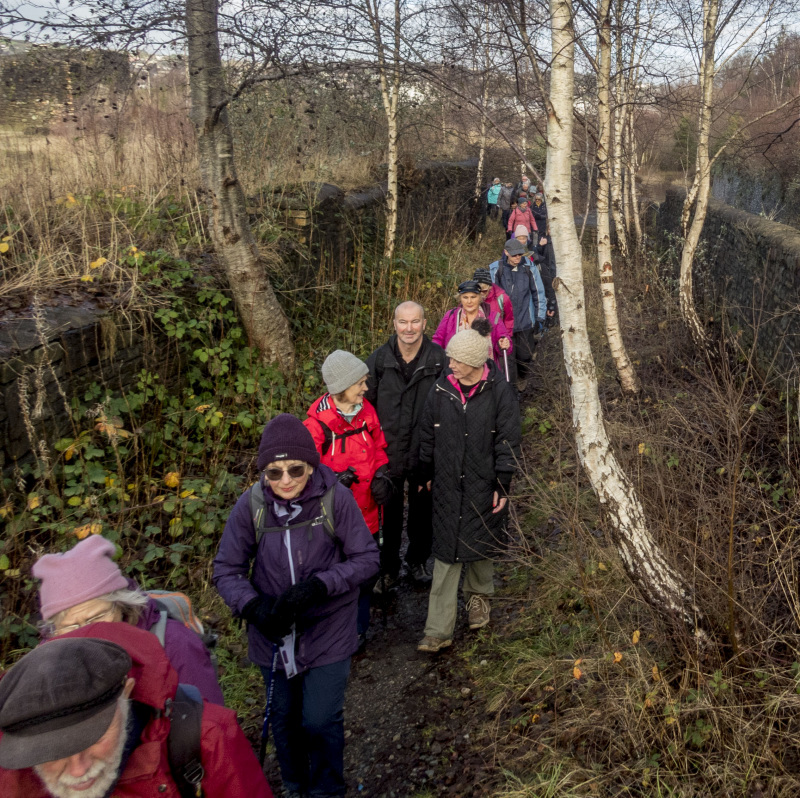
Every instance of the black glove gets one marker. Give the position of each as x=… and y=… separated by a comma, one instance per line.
x=299, y=598
x=258, y=611
x=348, y=477
x=503, y=485
x=550, y=321
x=423, y=473
x=381, y=486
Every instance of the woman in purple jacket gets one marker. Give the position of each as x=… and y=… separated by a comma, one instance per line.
x=290, y=563
x=84, y=585
x=471, y=306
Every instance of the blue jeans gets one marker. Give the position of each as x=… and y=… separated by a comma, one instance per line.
x=307, y=720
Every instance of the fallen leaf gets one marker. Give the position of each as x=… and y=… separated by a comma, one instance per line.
x=33, y=501
x=4, y=248
x=656, y=674
x=601, y=566
x=617, y=656
x=87, y=278
x=641, y=448
x=635, y=637
x=172, y=479
x=96, y=264
x=577, y=673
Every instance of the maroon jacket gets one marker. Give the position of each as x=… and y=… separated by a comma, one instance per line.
x=231, y=767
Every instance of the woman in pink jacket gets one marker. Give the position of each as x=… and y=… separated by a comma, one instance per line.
x=522, y=215
x=472, y=307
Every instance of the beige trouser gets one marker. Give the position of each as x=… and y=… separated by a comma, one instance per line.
x=443, y=600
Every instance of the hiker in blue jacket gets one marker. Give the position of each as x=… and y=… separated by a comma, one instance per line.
x=518, y=275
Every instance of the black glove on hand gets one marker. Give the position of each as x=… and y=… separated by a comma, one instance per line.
x=503, y=485
x=381, y=486
x=258, y=611
x=348, y=478
x=299, y=598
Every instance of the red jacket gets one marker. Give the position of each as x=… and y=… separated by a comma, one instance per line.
x=365, y=451
x=231, y=767
x=525, y=217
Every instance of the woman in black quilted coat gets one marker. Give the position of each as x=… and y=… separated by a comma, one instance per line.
x=469, y=448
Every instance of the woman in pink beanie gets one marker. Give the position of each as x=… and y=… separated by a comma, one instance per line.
x=84, y=585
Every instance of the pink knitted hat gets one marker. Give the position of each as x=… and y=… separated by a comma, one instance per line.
x=84, y=572
x=521, y=230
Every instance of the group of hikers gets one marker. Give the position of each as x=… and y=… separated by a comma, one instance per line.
x=122, y=697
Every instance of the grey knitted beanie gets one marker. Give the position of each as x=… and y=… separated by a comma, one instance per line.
x=341, y=370
x=470, y=347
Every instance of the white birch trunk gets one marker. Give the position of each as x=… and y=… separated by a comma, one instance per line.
x=660, y=584
x=617, y=118
x=389, y=76
x=701, y=185
x=262, y=317
x=627, y=374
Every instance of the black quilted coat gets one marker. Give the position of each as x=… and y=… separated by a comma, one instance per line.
x=469, y=445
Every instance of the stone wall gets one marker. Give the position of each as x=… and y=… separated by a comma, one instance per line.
x=46, y=360
x=750, y=268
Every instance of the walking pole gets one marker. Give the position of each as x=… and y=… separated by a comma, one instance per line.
x=505, y=361
x=270, y=689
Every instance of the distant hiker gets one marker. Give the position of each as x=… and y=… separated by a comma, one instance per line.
x=401, y=373
x=521, y=280
x=500, y=306
x=471, y=306
x=545, y=249
x=492, y=196
x=348, y=436
x=84, y=586
x=523, y=187
x=296, y=583
x=523, y=235
x=99, y=712
x=469, y=448
x=504, y=204
x=522, y=215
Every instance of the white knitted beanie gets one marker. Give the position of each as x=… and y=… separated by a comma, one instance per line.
x=341, y=370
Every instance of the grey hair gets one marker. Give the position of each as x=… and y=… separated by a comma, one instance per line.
x=130, y=602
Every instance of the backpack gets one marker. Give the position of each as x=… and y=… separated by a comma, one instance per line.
x=173, y=604
x=184, y=753
x=326, y=515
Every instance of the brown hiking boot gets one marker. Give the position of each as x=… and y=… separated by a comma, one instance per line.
x=478, y=609
x=433, y=644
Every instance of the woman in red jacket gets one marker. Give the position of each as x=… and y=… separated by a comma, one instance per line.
x=350, y=441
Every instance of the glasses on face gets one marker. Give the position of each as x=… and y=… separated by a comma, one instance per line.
x=484, y=289
x=276, y=474
x=49, y=630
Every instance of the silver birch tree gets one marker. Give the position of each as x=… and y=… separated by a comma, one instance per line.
x=659, y=582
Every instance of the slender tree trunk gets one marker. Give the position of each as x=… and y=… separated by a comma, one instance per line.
x=633, y=169
x=627, y=374
x=701, y=186
x=482, y=151
x=389, y=76
x=660, y=584
x=616, y=138
x=262, y=317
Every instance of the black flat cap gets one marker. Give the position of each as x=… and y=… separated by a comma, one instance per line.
x=59, y=700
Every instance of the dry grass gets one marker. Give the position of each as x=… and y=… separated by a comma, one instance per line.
x=713, y=457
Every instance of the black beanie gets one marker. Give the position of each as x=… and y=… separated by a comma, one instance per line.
x=286, y=438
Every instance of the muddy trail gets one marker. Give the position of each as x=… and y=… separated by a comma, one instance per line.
x=411, y=718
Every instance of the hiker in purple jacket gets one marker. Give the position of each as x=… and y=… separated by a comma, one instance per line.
x=84, y=585
x=297, y=584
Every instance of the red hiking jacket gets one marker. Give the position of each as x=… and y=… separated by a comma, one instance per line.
x=365, y=451
x=231, y=767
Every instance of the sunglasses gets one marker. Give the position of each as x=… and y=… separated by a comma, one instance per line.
x=276, y=474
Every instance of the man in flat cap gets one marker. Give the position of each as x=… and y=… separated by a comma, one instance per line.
x=90, y=714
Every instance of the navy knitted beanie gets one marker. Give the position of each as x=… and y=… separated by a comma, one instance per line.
x=286, y=438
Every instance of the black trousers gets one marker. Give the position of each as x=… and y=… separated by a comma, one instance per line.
x=521, y=364
x=419, y=528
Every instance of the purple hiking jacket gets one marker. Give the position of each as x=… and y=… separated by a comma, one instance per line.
x=448, y=327
x=328, y=632
x=186, y=654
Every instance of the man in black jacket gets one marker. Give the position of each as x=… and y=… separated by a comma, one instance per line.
x=401, y=373
x=469, y=448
